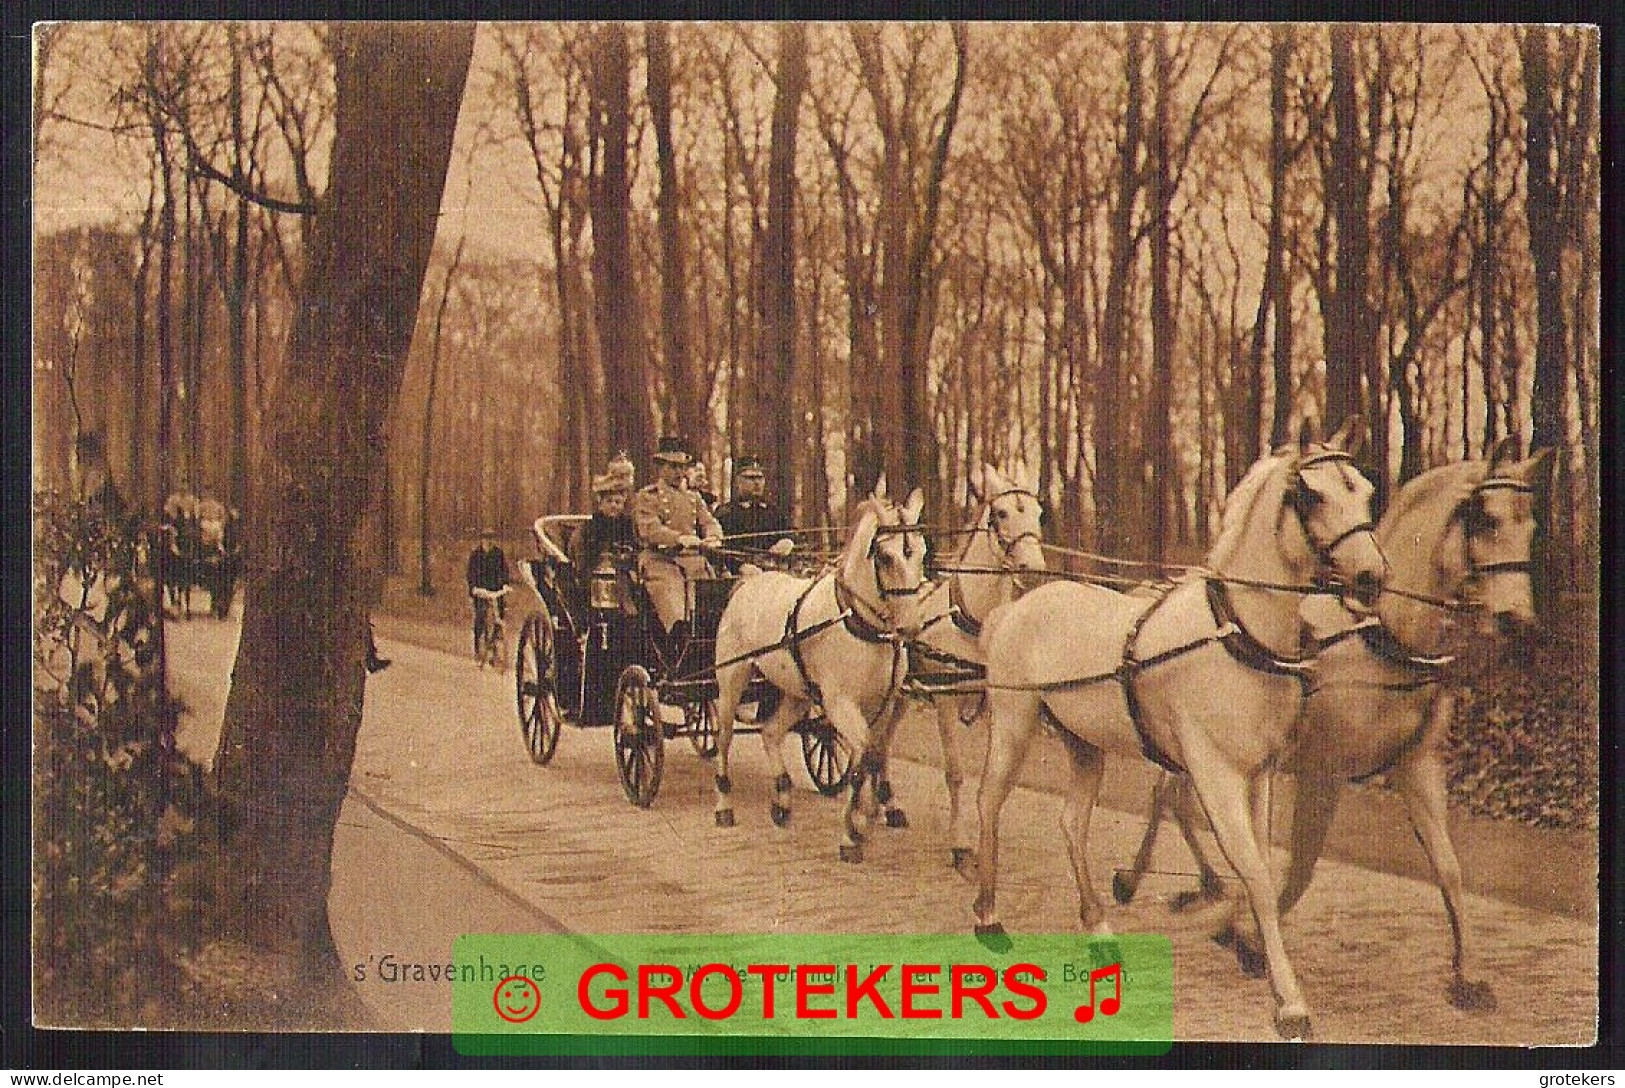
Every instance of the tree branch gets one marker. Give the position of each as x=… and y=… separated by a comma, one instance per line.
x=203, y=168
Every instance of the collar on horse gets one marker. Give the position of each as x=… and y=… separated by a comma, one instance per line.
x=959, y=612
x=1418, y=671
x=861, y=629
x=860, y=626
x=1230, y=632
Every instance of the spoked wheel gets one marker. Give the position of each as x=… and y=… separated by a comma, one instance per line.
x=700, y=723
x=536, y=689
x=640, y=750
x=828, y=761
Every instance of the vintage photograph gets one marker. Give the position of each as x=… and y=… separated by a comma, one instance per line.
x=864, y=478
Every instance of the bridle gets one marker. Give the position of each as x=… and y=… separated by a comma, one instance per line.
x=881, y=610
x=1472, y=506
x=1300, y=499
x=1006, y=546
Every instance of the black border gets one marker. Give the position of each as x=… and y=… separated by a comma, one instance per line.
x=25, y=1047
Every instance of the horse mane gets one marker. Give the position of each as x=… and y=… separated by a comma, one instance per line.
x=1445, y=481
x=1425, y=505
x=1238, y=508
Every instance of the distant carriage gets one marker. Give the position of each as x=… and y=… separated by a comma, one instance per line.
x=199, y=547
x=594, y=654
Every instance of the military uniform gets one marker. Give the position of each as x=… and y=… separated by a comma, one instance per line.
x=663, y=514
x=751, y=524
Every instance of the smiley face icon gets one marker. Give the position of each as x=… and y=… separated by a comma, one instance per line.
x=516, y=999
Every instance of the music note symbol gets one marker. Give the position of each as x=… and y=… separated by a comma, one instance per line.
x=1108, y=1005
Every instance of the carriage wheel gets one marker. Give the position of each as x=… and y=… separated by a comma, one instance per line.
x=828, y=761
x=535, y=689
x=640, y=752
x=700, y=723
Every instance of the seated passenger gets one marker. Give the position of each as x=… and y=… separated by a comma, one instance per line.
x=609, y=531
x=672, y=524
x=751, y=524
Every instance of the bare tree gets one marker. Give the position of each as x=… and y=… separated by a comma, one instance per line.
x=776, y=357
x=1350, y=326
x=619, y=313
x=296, y=696
x=910, y=205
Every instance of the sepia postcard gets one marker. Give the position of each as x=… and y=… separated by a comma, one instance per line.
x=924, y=515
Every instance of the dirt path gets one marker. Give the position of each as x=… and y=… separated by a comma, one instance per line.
x=440, y=754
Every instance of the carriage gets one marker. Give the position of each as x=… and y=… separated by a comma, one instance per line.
x=198, y=548
x=593, y=654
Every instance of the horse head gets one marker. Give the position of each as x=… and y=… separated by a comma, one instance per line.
x=884, y=565
x=1331, y=503
x=1497, y=524
x=1011, y=517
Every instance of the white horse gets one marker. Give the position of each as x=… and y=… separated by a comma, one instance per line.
x=1200, y=678
x=837, y=640
x=1002, y=542
x=1457, y=540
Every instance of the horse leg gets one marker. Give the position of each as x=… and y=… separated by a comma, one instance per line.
x=1126, y=882
x=881, y=742
x=847, y=718
x=1421, y=780
x=730, y=685
x=1313, y=806
x=1242, y=932
x=1210, y=886
x=949, y=725
x=789, y=711
x=1088, y=764
x=1226, y=796
x=1014, y=719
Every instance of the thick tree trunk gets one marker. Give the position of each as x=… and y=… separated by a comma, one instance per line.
x=1276, y=287
x=1350, y=333
x=1116, y=514
x=1159, y=436
x=296, y=695
x=620, y=335
x=1550, y=396
x=684, y=372
x=777, y=422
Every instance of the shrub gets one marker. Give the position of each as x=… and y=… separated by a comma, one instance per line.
x=123, y=822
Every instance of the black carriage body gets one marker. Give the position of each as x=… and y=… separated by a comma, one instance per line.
x=597, y=657
x=592, y=645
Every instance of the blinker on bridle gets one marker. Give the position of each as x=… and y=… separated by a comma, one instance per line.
x=874, y=559
x=1297, y=499
x=1008, y=546
x=1475, y=569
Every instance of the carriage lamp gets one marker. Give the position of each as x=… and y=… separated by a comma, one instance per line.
x=603, y=590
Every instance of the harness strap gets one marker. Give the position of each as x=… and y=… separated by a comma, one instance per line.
x=1422, y=672
x=792, y=641
x=1243, y=645
x=1127, y=671
x=959, y=613
x=856, y=623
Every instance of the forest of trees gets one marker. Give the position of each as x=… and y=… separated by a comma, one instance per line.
x=1131, y=254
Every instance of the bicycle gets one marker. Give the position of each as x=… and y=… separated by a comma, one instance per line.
x=490, y=628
